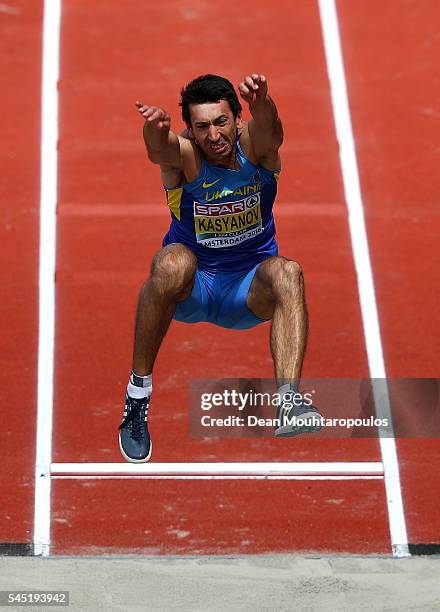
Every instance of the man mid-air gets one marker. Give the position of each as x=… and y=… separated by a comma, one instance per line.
x=219, y=262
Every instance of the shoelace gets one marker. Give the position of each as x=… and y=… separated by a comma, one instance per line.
x=135, y=417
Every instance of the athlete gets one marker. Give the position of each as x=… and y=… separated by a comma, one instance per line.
x=219, y=262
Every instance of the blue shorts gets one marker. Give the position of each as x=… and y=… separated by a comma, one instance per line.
x=219, y=298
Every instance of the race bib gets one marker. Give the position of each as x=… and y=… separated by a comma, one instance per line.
x=227, y=223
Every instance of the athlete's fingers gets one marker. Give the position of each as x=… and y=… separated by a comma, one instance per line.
x=156, y=115
x=152, y=110
x=255, y=76
x=262, y=89
x=164, y=123
x=144, y=113
x=141, y=106
x=147, y=111
x=244, y=91
x=159, y=115
x=259, y=80
x=251, y=83
x=260, y=86
x=159, y=119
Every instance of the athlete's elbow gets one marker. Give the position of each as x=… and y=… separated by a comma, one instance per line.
x=277, y=140
x=157, y=157
x=154, y=159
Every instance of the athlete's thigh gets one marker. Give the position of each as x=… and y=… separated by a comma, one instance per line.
x=195, y=308
x=260, y=299
x=233, y=311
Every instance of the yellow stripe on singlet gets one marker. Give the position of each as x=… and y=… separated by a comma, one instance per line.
x=174, y=197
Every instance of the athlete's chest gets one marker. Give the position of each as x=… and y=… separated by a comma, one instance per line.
x=225, y=207
x=217, y=185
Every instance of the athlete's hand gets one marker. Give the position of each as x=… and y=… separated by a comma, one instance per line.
x=154, y=116
x=253, y=88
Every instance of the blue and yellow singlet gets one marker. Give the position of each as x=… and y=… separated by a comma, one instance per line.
x=225, y=216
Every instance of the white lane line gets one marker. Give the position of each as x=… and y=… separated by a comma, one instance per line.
x=213, y=477
x=361, y=255
x=221, y=469
x=47, y=260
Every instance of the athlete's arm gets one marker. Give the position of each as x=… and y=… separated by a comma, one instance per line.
x=264, y=130
x=175, y=155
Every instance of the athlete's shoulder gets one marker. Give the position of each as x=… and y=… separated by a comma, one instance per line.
x=191, y=157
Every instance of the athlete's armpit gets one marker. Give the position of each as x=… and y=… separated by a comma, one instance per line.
x=171, y=177
x=259, y=149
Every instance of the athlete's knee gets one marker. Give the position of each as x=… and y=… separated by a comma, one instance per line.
x=286, y=275
x=292, y=270
x=174, y=267
x=283, y=270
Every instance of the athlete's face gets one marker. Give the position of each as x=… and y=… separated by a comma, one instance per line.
x=214, y=129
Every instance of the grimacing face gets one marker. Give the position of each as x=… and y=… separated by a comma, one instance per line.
x=214, y=129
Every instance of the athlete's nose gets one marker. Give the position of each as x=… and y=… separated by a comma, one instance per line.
x=213, y=133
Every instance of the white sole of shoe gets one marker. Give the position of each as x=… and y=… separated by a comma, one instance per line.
x=308, y=424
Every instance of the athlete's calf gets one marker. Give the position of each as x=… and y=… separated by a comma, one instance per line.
x=277, y=293
x=172, y=276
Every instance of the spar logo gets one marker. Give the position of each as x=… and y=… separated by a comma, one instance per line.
x=227, y=223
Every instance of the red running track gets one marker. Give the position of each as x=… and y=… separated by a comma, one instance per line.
x=393, y=87
x=20, y=67
x=111, y=217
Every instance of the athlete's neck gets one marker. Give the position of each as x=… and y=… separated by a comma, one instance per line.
x=231, y=162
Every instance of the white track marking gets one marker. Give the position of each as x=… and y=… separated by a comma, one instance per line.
x=361, y=255
x=213, y=477
x=221, y=469
x=47, y=259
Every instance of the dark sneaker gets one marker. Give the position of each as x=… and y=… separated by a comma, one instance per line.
x=134, y=439
x=296, y=417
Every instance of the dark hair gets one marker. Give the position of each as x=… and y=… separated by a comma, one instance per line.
x=208, y=88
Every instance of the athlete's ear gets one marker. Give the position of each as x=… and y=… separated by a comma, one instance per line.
x=185, y=133
x=189, y=131
x=239, y=122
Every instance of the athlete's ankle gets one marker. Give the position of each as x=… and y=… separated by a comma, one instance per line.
x=288, y=387
x=140, y=387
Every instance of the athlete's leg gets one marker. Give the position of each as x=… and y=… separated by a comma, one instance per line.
x=277, y=293
x=170, y=282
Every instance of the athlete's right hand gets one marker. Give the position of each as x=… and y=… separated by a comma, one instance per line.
x=154, y=116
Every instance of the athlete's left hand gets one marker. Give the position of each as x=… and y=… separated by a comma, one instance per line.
x=253, y=88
